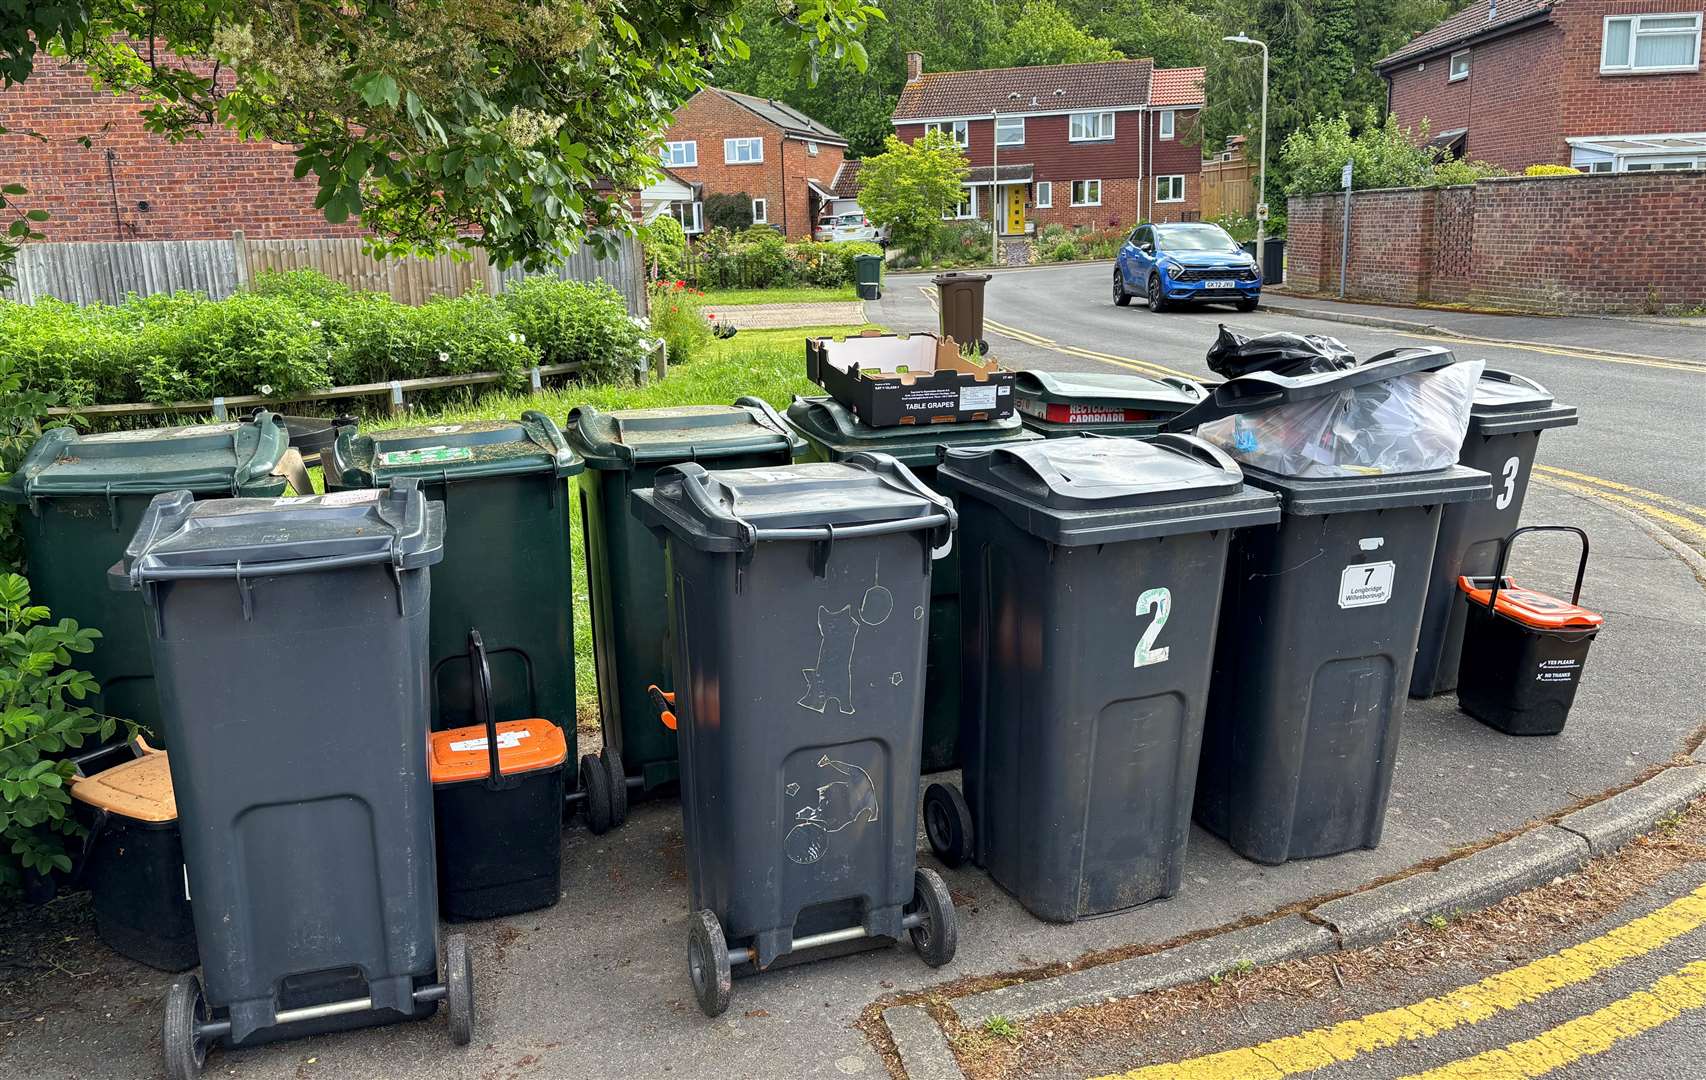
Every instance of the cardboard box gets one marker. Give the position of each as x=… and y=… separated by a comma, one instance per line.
x=889, y=379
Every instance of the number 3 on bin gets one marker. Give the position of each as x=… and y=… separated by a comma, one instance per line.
x=1161, y=602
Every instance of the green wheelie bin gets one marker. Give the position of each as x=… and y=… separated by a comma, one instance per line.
x=1057, y=403
x=81, y=497
x=506, y=573
x=624, y=449
x=833, y=433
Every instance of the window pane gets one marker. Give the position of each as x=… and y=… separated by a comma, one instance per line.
x=1673, y=22
x=1664, y=50
x=1616, y=43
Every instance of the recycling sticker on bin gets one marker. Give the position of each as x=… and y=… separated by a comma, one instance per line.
x=426, y=455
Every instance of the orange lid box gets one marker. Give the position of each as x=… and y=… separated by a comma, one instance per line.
x=1530, y=608
x=523, y=746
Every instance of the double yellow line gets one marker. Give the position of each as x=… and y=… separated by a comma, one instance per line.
x=1674, y=514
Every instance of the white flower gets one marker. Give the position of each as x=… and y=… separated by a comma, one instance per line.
x=315, y=323
x=265, y=389
x=443, y=357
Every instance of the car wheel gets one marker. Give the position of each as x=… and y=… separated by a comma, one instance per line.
x=1121, y=297
x=1249, y=303
x=1157, y=301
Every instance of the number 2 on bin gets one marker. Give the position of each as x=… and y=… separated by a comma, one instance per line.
x=1161, y=602
x=1508, y=491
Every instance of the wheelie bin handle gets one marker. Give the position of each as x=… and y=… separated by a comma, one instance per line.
x=1505, y=552
x=1191, y=446
x=843, y=532
x=480, y=674
x=664, y=702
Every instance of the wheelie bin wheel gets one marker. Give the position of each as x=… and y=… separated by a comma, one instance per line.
x=618, y=785
x=708, y=963
x=947, y=823
x=459, y=989
x=938, y=935
x=186, y=1011
x=595, y=781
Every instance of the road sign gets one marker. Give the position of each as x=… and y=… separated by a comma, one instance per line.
x=1261, y=211
x=1345, y=177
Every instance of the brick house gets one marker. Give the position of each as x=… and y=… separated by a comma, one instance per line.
x=1604, y=85
x=780, y=158
x=1105, y=144
x=130, y=184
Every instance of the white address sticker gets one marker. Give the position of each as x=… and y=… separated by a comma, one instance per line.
x=1366, y=584
x=977, y=397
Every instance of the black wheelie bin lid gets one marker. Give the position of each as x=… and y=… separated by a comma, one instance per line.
x=832, y=427
x=629, y=437
x=1507, y=402
x=1265, y=390
x=1094, y=490
x=1067, y=401
x=466, y=451
x=181, y=538
x=733, y=510
x=234, y=458
x=1302, y=496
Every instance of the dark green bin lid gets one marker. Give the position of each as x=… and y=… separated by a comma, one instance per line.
x=235, y=458
x=1304, y=496
x=732, y=510
x=180, y=537
x=1103, y=394
x=625, y=438
x=1506, y=402
x=465, y=451
x=832, y=427
x=1092, y=490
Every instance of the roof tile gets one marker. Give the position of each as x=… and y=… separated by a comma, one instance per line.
x=784, y=116
x=1176, y=86
x=1062, y=87
x=1472, y=21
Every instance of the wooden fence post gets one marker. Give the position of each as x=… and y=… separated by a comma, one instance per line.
x=240, y=252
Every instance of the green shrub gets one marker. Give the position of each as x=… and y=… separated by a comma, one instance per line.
x=730, y=211
x=1064, y=250
x=765, y=254
x=448, y=336
x=1052, y=233
x=664, y=244
x=308, y=288
x=245, y=344
x=1551, y=170
x=1383, y=155
x=43, y=717
x=678, y=317
x=577, y=322
x=21, y=411
x=79, y=356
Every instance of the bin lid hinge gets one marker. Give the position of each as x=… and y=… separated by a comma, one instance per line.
x=112, y=505
x=821, y=550
x=246, y=590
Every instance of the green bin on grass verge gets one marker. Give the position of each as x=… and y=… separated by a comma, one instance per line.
x=833, y=433
x=506, y=571
x=81, y=498
x=624, y=450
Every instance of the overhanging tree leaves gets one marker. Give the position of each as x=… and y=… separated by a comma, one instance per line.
x=519, y=123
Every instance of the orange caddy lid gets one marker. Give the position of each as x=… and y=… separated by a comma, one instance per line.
x=140, y=789
x=523, y=746
x=1530, y=608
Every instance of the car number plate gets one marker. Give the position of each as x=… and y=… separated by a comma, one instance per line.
x=1217, y=284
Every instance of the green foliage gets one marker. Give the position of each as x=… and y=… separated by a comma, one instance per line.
x=909, y=186
x=664, y=244
x=1045, y=34
x=1384, y=155
x=246, y=344
x=1001, y=1027
x=729, y=210
x=577, y=322
x=959, y=243
x=1551, y=170
x=678, y=318
x=41, y=716
x=760, y=258
x=1062, y=250
x=21, y=410
x=79, y=355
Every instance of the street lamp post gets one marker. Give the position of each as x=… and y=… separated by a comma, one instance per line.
x=1262, y=176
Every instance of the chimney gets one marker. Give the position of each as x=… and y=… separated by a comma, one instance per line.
x=914, y=66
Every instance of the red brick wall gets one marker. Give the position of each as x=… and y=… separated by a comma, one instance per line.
x=708, y=118
x=1625, y=242
x=1596, y=104
x=199, y=189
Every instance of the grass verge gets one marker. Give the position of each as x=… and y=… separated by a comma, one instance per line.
x=799, y=294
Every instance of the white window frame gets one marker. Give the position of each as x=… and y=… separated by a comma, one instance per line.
x=688, y=159
x=811, y=147
x=1175, y=183
x=1451, y=73
x=1661, y=163
x=970, y=204
x=731, y=150
x=698, y=224
x=1005, y=138
x=1086, y=201
x=957, y=130
x=1165, y=130
x=1628, y=67
x=1077, y=125
x=1042, y=195
x=760, y=211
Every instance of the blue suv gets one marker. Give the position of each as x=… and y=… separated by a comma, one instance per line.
x=1185, y=262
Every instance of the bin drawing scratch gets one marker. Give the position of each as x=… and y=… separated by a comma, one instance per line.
x=840, y=803
x=838, y=633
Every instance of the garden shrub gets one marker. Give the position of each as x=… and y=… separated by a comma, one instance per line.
x=577, y=322
x=732, y=211
x=246, y=344
x=21, y=410
x=1063, y=250
x=677, y=316
x=448, y=336
x=1551, y=170
x=664, y=244
x=80, y=356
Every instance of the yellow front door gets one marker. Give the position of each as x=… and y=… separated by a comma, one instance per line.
x=1015, y=209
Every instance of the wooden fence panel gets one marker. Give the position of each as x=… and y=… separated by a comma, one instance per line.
x=625, y=270
x=1228, y=187
x=105, y=272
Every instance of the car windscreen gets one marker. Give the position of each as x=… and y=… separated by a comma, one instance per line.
x=1196, y=238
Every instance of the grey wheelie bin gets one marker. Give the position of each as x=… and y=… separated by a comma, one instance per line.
x=1091, y=582
x=82, y=496
x=833, y=433
x=1056, y=403
x=624, y=564
x=798, y=599
x=1505, y=424
x=305, y=804
x=1318, y=633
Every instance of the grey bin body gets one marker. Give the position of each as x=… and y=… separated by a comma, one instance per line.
x=81, y=498
x=1318, y=635
x=305, y=804
x=799, y=665
x=1091, y=579
x=832, y=433
x=1505, y=424
x=1057, y=403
